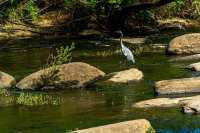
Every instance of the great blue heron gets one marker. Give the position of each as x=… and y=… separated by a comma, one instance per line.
x=125, y=50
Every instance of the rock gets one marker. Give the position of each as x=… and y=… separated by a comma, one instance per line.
x=132, y=40
x=192, y=106
x=171, y=27
x=185, y=44
x=194, y=66
x=166, y=102
x=71, y=75
x=186, y=58
x=158, y=102
x=127, y=76
x=178, y=86
x=6, y=81
x=134, y=126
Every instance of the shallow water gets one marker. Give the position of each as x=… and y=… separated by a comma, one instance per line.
x=58, y=112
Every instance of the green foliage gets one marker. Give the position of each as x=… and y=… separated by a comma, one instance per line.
x=189, y=9
x=12, y=14
x=63, y=55
x=32, y=9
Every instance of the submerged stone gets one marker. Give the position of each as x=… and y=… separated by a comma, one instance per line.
x=134, y=126
x=71, y=75
x=126, y=76
x=178, y=86
x=6, y=81
x=186, y=58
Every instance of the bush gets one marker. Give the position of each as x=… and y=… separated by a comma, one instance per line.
x=63, y=55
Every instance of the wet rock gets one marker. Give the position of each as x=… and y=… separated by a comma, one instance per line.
x=186, y=58
x=171, y=27
x=168, y=102
x=71, y=75
x=192, y=106
x=158, y=102
x=178, y=86
x=127, y=76
x=159, y=46
x=90, y=33
x=134, y=126
x=6, y=81
x=132, y=40
x=194, y=66
x=185, y=44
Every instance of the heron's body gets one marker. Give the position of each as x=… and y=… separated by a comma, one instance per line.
x=127, y=52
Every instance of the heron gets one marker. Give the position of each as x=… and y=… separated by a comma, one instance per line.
x=125, y=50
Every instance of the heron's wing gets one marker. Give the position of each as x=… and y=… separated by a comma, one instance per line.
x=124, y=50
x=129, y=55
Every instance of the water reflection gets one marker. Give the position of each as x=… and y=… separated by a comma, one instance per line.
x=182, y=130
x=28, y=98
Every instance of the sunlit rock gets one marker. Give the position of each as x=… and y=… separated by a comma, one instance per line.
x=189, y=105
x=6, y=80
x=134, y=126
x=127, y=76
x=192, y=106
x=178, y=86
x=158, y=102
x=71, y=75
x=194, y=66
x=185, y=44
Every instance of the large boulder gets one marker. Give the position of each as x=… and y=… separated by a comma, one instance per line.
x=6, y=80
x=134, y=126
x=127, y=76
x=185, y=44
x=178, y=86
x=71, y=75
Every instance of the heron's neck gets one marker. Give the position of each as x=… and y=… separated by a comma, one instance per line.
x=121, y=42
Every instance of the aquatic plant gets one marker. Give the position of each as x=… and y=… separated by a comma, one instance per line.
x=4, y=92
x=30, y=99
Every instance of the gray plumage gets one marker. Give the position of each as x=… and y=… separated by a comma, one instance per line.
x=125, y=50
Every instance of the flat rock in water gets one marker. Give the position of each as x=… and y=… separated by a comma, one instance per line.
x=127, y=76
x=134, y=126
x=185, y=44
x=192, y=106
x=71, y=75
x=158, y=102
x=6, y=81
x=186, y=58
x=178, y=86
x=192, y=101
x=194, y=66
x=133, y=40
